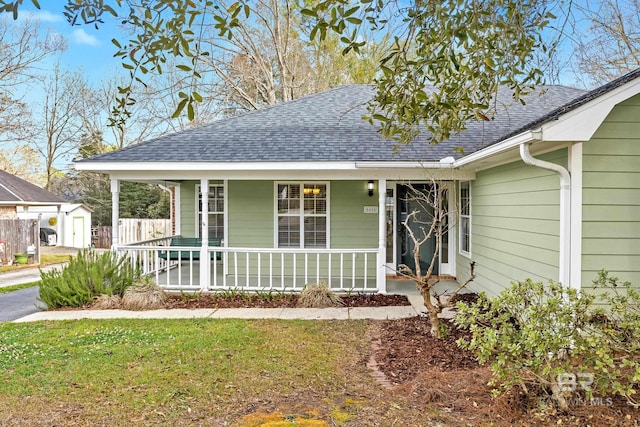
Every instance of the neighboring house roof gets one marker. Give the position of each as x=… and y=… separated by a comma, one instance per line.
x=328, y=127
x=17, y=191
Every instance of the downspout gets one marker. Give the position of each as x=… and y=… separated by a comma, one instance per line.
x=564, y=268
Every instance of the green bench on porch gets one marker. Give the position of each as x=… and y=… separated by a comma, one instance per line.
x=194, y=242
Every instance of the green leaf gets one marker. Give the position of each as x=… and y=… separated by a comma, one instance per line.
x=190, y=111
x=310, y=13
x=179, y=109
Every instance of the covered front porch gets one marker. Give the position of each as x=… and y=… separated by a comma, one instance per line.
x=258, y=232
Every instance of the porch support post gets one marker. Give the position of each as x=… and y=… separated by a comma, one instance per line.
x=381, y=277
x=115, y=213
x=204, y=235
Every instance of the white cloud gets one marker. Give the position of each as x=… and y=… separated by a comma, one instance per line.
x=42, y=16
x=80, y=36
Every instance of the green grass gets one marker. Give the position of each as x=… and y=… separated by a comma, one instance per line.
x=44, y=260
x=176, y=372
x=8, y=289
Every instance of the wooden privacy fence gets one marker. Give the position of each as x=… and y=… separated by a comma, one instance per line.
x=101, y=236
x=131, y=230
x=16, y=235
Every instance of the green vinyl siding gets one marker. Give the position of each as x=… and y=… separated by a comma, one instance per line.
x=251, y=214
x=350, y=226
x=251, y=225
x=611, y=196
x=188, y=203
x=188, y=208
x=514, y=225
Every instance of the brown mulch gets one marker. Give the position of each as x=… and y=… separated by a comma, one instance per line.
x=248, y=300
x=439, y=375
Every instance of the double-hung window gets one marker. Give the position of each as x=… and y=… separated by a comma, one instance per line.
x=465, y=218
x=302, y=215
x=216, y=210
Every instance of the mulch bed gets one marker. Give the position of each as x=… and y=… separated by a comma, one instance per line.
x=278, y=301
x=438, y=374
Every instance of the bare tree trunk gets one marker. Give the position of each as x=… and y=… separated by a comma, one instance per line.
x=431, y=200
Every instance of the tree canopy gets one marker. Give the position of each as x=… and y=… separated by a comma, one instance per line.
x=445, y=65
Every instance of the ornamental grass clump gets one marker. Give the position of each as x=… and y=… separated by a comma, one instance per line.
x=87, y=276
x=319, y=295
x=144, y=294
x=107, y=302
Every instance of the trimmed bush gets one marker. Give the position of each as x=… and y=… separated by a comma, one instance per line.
x=87, y=276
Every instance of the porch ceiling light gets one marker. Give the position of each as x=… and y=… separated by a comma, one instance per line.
x=370, y=188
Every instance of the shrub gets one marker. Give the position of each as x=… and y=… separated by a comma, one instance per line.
x=87, y=276
x=318, y=296
x=144, y=294
x=543, y=337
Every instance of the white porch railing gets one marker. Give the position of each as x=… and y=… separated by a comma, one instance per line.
x=253, y=268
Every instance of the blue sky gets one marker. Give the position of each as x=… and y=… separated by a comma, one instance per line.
x=89, y=50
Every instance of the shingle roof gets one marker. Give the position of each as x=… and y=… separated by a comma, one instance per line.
x=328, y=126
x=14, y=189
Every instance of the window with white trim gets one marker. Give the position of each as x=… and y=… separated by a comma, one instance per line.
x=465, y=218
x=302, y=215
x=216, y=210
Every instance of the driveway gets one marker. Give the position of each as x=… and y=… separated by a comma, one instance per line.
x=17, y=304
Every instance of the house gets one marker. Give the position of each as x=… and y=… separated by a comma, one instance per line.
x=307, y=191
x=71, y=221
x=20, y=199
x=18, y=196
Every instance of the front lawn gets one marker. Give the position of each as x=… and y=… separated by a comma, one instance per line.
x=45, y=259
x=186, y=372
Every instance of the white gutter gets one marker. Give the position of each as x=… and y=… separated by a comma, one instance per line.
x=494, y=149
x=564, y=267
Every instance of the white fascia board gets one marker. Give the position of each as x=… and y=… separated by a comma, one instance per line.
x=402, y=165
x=494, y=149
x=211, y=166
x=582, y=122
x=291, y=175
x=278, y=171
